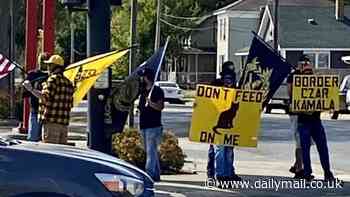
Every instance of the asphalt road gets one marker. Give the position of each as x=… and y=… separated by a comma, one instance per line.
x=271, y=159
x=273, y=156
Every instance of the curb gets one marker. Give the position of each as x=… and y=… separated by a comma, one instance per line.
x=23, y=137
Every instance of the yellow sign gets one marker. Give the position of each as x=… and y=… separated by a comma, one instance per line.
x=225, y=116
x=84, y=74
x=315, y=93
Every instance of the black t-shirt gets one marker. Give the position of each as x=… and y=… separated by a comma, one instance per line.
x=149, y=117
x=302, y=116
x=36, y=78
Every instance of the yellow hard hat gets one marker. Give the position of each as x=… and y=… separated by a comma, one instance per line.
x=56, y=60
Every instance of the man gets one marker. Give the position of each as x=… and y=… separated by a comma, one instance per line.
x=309, y=125
x=151, y=105
x=297, y=167
x=55, y=102
x=36, y=78
x=221, y=158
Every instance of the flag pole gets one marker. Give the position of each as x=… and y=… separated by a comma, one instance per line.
x=159, y=67
x=15, y=64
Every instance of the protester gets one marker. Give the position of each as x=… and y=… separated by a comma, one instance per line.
x=221, y=158
x=297, y=168
x=150, y=106
x=309, y=125
x=55, y=102
x=35, y=77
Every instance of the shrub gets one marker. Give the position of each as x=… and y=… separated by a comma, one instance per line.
x=172, y=157
x=128, y=146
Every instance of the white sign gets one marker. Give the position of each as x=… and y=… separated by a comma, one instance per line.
x=103, y=81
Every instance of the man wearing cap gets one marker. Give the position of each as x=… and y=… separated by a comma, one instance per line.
x=151, y=105
x=55, y=102
x=309, y=125
x=36, y=77
x=221, y=158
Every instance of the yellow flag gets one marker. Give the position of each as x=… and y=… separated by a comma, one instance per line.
x=83, y=74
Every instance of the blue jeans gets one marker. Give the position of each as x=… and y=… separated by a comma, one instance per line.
x=34, y=130
x=315, y=130
x=224, y=161
x=152, y=139
x=211, y=162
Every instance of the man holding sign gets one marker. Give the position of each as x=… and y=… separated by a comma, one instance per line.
x=310, y=97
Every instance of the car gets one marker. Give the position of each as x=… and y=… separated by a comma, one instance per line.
x=280, y=99
x=344, y=98
x=172, y=91
x=29, y=169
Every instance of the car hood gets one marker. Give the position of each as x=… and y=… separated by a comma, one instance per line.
x=80, y=153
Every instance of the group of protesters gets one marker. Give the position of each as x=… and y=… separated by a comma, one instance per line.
x=306, y=126
x=51, y=100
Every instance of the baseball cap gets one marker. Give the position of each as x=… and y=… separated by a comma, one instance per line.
x=56, y=60
x=228, y=67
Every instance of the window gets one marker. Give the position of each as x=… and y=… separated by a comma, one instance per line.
x=320, y=60
x=220, y=29
x=221, y=60
x=224, y=30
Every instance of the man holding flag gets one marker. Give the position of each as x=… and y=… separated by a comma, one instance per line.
x=151, y=106
x=55, y=102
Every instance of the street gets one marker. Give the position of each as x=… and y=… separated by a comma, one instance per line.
x=270, y=160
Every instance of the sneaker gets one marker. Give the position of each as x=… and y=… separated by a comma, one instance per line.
x=292, y=170
x=299, y=174
x=329, y=177
x=308, y=178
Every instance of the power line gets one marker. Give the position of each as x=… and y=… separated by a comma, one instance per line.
x=184, y=17
x=185, y=28
x=203, y=28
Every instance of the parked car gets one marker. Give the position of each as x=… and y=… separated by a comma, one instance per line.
x=344, y=98
x=30, y=169
x=280, y=99
x=172, y=91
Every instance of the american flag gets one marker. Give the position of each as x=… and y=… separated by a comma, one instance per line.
x=6, y=66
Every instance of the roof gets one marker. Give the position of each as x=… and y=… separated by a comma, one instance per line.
x=296, y=32
x=254, y=5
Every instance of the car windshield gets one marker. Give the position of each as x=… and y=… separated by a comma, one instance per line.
x=8, y=141
x=172, y=85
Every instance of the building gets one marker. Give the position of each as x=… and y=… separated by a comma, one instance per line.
x=318, y=31
x=237, y=20
x=197, y=60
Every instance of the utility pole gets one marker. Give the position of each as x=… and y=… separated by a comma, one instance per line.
x=72, y=55
x=275, y=29
x=30, y=53
x=98, y=41
x=157, y=40
x=132, y=56
x=11, y=56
